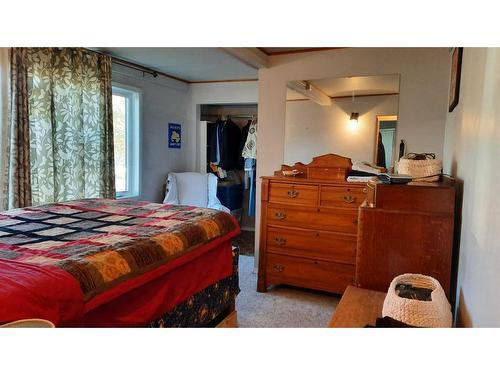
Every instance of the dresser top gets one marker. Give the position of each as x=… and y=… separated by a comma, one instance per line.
x=445, y=183
x=324, y=169
x=308, y=181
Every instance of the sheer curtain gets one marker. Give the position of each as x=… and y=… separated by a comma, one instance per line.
x=61, y=133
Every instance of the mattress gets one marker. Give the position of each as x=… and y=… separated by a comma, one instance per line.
x=63, y=261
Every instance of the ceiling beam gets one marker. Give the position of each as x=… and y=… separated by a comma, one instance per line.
x=252, y=57
x=310, y=92
x=284, y=51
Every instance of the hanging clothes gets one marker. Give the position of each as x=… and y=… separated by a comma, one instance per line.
x=250, y=178
x=244, y=136
x=250, y=148
x=229, y=145
x=224, y=145
x=381, y=152
x=249, y=152
x=214, y=156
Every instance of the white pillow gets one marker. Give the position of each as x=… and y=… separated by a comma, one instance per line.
x=192, y=188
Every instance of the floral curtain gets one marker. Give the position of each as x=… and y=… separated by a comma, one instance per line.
x=70, y=124
x=4, y=123
x=18, y=181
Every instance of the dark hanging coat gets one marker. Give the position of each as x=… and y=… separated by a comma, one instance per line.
x=229, y=145
x=381, y=152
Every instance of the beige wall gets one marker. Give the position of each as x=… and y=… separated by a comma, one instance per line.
x=472, y=153
x=312, y=130
x=422, y=101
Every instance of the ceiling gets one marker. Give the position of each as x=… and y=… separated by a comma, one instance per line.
x=341, y=87
x=188, y=64
x=288, y=50
x=203, y=64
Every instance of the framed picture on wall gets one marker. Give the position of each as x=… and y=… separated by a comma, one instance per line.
x=456, y=68
x=174, y=135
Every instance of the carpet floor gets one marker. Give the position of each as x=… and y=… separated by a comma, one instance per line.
x=281, y=306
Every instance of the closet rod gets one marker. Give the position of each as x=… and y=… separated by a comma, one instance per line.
x=230, y=116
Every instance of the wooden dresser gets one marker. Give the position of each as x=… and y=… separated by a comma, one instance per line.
x=309, y=226
x=406, y=229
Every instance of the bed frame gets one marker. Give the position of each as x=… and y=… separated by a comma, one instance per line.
x=229, y=318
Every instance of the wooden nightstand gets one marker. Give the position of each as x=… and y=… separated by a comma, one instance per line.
x=358, y=308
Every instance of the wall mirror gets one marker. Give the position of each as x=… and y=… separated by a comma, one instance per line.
x=354, y=117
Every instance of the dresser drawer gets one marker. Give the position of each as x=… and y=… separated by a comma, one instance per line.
x=329, y=219
x=339, y=196
x=313, y=244
x=308, y=273
x=293, y=193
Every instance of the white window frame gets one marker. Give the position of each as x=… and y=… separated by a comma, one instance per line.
x=133, y=105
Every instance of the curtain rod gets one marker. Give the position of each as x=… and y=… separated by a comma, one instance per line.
x=135, y=66
x=230, y=116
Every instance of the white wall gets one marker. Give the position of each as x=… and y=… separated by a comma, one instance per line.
x=214, y=93
x=163, y=100
x=472, y=153
x=312, y=130
x=166, y=100
x=423, y=95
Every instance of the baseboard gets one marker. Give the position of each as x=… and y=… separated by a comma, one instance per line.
x=248, y=229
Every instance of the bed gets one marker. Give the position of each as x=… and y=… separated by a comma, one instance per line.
x=117, y=263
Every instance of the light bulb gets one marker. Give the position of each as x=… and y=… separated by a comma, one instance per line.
x=353, y=121
x=353, y=124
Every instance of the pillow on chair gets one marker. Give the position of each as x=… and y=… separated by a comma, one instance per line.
x=213, y=201
x=191, y=188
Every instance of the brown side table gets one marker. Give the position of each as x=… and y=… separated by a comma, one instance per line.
x=358, y=308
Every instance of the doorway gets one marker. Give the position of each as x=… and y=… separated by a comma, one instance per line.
x=226, y=131
x=385, y=141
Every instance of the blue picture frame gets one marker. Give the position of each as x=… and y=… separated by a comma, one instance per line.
x=174, y=135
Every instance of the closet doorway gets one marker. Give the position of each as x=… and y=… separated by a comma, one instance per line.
x=230, y=134
x=385, y=141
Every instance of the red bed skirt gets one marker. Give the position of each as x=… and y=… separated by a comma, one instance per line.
x=141, y=305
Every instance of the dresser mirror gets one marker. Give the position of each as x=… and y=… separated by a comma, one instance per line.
x=351, y=116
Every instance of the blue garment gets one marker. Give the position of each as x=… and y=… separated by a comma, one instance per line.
x=218, y=131
x=250, y=174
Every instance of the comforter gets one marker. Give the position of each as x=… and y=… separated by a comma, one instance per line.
x=58, y=261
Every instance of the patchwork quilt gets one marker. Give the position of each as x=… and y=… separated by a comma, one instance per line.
x=104, y=242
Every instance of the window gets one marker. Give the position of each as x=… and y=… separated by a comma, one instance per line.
x=126, y=134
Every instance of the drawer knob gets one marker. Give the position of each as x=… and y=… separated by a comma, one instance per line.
x=355, y=221
x=280, y=215
x=349, y=198
x=293, y=193
x=280, y=241
x=278, y=267
x=365, y=190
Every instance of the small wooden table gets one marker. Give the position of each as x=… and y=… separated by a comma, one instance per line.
x=358, y=308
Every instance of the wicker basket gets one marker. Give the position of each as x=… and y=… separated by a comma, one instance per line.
x=434, y=313
x=421, y=170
